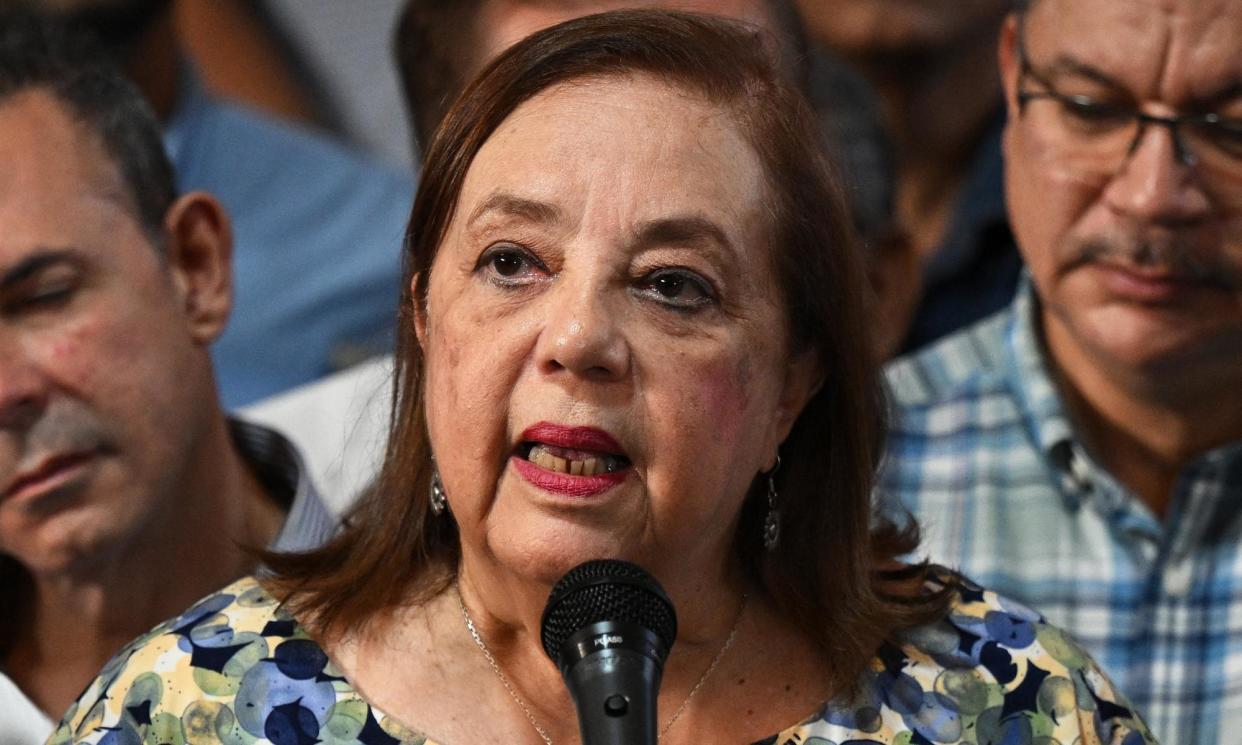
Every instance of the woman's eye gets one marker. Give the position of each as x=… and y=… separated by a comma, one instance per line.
x=508, y=264
x=681, y=289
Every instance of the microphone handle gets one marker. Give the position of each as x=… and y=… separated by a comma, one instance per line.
x=615, y=687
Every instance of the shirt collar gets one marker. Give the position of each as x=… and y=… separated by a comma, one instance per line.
x=1215, y=477
x=1028, y=372
x=1029, y=375
x=278, y=466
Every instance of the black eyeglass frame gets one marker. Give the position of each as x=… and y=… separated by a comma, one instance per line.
x=1090, y=107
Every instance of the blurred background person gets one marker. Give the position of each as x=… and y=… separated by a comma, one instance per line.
x=241, y=55
x=1082, y=451
x=933, y=65
x=635, y=327
x=318, y=228
x=125, y=493
x=342, y=48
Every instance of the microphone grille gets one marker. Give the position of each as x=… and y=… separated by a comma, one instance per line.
x=606, y=590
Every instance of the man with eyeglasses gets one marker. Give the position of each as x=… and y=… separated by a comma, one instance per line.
x=1082, y=450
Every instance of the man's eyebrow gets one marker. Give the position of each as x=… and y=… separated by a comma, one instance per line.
x=513, y=205
x=36, y=262
x=683, y=229
x=1226, y=92
x=1065, y=65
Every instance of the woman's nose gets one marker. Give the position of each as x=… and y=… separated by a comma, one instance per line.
x=582, y=333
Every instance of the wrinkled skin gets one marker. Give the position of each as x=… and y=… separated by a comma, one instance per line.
x=1140, y=272
x=554, y=313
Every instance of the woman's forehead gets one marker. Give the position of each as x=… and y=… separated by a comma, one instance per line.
x=635, y=143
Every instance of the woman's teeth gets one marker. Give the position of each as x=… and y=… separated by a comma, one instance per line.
x=540, y=456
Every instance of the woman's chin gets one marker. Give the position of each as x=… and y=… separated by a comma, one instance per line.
x=544, y=555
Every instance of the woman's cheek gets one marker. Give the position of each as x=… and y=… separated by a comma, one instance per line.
x=716, y=392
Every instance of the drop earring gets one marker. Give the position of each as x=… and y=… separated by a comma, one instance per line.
x=772, y=522
x=438, y=501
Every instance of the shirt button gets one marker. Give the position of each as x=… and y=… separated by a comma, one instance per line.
x=1177, y=577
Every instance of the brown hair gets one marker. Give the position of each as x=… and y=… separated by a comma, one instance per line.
x=828, y=572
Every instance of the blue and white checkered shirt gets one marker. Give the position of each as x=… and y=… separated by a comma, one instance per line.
x=985, y=456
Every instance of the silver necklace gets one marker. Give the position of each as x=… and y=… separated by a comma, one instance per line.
x=530, y=717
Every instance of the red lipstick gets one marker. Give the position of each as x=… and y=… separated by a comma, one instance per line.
x=564, y=483
x=572, y=443
x=572, y=438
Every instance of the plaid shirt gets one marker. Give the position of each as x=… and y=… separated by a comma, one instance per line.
x=985, y=456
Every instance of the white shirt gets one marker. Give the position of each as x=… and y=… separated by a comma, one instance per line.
x=21, y=722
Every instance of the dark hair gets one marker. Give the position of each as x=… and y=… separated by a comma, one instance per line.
x=38, y=52
x=828, y=573
x=431, y=44
x=437, y=51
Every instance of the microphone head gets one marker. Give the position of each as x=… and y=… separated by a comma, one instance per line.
x=606, y=590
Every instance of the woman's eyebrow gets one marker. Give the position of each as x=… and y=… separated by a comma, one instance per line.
x=512, y=205
x=683, y=229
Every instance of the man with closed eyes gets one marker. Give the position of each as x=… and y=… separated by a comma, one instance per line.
x=125, y=492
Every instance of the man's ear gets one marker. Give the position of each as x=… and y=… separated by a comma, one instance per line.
x=200, y=255
x=803, y=379
x=1007, y=57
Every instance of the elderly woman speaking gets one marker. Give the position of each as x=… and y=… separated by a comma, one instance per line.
x=633, y=329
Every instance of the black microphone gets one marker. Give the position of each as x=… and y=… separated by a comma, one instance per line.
x=609, y=627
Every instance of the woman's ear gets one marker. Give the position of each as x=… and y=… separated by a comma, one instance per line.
x=803, y=379
x=199, y=255
x=419, y=312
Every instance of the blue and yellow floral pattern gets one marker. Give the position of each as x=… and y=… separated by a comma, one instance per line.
x=236, y=669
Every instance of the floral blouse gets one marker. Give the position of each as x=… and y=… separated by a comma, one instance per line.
x=237, y=669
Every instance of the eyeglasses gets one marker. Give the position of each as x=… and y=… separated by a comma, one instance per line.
x=1096, y=137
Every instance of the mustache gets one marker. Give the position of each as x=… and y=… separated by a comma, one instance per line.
x=59, y=431
x=1168, y=256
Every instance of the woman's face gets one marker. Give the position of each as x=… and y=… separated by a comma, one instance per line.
x=606, y=358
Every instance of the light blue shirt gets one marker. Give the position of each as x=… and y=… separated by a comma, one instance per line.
x=317, y=243
x=985, y=455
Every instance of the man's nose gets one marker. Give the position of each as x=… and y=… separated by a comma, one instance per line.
x=23, y=388
x=1155, y=184
x=582, y=332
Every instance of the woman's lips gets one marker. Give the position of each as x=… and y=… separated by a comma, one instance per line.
x=567, y=484
x=573, y=461
x=573, y=438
